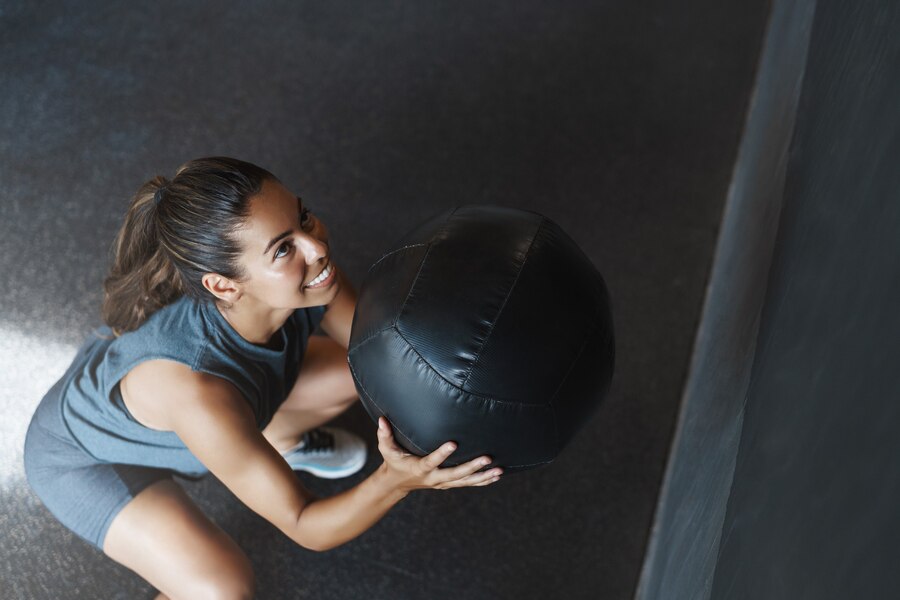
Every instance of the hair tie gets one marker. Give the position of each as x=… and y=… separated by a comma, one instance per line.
x=158, y=195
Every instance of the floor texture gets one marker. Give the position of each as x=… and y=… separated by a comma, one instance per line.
x=618, y=120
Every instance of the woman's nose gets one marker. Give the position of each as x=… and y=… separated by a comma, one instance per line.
x=312, y=248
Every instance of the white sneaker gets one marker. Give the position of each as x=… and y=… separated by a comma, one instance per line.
x=327, y=452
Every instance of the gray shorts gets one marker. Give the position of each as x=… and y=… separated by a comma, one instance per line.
x=81, y=492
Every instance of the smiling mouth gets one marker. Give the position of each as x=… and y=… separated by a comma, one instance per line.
x=323, y=278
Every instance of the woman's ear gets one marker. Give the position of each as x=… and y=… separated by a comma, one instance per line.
x=222, y=287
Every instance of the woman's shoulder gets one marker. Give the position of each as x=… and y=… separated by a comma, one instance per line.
x=164, y=341
x=155, y=388
x=180, y=324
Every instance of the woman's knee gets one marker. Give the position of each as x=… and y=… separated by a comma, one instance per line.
x=165, y=538
x=236, y=581
x=230, y=578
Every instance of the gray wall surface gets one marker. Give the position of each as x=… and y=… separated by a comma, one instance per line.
x=783, y=481
x=813, y=509
x=681, y=556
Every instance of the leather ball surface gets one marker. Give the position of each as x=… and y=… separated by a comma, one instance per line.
x=487, y=326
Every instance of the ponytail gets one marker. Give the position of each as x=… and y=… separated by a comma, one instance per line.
x=141, y=279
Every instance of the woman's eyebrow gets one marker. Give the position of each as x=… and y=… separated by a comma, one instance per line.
x=275, y=239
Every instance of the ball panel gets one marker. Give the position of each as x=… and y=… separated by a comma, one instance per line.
x=390, y=374
x=470, y=269
x=543, y=324
x=587, y=383
x=387, y=286
x=426, y=411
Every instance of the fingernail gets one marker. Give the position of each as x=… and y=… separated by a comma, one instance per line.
x=380, y=423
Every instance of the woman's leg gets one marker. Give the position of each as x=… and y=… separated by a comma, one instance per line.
x=323, y=390
x=165, y=538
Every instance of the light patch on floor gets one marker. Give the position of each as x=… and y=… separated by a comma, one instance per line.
x=30, y=367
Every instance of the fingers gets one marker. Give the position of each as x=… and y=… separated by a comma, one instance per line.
x=452, y=474
x=386, y=438
x=436, y=458
x=428, y=469
x=488, y=482
x=467, y=474
x=466, y=469
x=474, y=480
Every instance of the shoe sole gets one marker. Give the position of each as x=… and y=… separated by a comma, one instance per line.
x=333, y=472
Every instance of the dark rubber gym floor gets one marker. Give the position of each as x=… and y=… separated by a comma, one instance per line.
x=618, y=120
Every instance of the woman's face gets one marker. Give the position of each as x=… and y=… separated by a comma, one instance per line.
x=285, y=247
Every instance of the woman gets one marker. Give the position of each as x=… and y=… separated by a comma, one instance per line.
x=218, y=278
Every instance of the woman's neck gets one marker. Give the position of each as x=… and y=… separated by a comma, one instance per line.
x=258, y=328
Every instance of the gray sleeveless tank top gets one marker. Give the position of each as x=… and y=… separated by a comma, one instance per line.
x=190, y=332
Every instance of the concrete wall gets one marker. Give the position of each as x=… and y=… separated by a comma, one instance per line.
x=813, y=510
x=790, y=414
x=681, y=555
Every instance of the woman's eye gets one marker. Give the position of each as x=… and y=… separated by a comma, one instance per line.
x=283, y=245
x=305, y=217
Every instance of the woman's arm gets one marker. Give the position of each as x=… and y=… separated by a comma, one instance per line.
x=216, y=424
x=400, y=473
x=218, y=427
x=338, y=317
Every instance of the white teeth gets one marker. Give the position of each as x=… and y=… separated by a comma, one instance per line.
x=322, y=276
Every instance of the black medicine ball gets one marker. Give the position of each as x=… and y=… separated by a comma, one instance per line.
x=487, y=326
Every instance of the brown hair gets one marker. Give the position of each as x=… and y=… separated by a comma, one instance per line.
x=176, y=231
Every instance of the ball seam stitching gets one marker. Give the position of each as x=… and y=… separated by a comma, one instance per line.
x=381, y=410
x=395, y=251
x=475, y=395
x=362, y=388
x=415, y=280
x=505, y=300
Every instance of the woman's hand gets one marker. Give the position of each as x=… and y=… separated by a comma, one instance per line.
x=409, y=472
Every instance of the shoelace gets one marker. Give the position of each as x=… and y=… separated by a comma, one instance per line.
x=316, y=440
